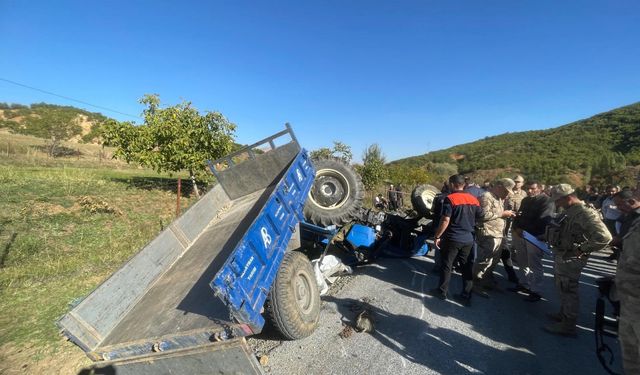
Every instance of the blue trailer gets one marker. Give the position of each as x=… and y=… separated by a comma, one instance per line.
x=186, y=301
x=190, y=296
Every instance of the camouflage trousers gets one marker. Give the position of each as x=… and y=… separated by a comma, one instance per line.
x=568, y=268
x=488, y=256
x=629, y=335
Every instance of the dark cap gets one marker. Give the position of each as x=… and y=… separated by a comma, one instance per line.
x=456, y=179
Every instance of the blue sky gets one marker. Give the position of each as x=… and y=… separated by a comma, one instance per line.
x=412, y=76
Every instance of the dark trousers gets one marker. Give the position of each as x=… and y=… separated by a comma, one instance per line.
x=611, y=225
x=456, y=253
x=506, y=253
x=508, y=265
x=393, y=205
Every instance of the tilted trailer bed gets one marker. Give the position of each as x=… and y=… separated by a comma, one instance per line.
x=189, y=297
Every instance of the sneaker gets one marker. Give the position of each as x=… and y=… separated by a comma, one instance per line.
x=555, y=317
x=436, y=292
x=560, y=329
x=533, y=297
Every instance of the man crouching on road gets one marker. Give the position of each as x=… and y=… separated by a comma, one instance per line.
x=455, y=235
x=575, y=233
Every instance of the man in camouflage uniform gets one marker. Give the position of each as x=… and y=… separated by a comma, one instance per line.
x=490, y=232
x=518, y=193
x=576, y=233
x=515, y=249
x=627, y=285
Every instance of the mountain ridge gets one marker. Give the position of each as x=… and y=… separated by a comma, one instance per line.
x=591, y=146
x=27, y=120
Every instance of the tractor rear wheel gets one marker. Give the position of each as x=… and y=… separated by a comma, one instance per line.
x=422, y=198
x=293, y=304
x=336, y=195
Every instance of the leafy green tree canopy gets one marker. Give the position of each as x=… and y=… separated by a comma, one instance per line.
x=373, y=170
x=340, y=150
x=172, y=139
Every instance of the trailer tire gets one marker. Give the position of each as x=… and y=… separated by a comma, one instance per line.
x=293, y=304
x=336, y=195
x=422, y=198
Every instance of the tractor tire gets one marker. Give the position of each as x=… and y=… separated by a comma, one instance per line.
x=293, y=304
x=422, y=199
x=336, y=195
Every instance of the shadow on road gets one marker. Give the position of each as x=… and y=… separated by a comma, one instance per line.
x=441, y=349
x=498, y=335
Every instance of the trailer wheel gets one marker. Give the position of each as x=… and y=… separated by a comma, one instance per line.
x=293, y=304
x=336, y=194
x=422, y=199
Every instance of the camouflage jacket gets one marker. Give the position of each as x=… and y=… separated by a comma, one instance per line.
x=578, y=227
x=515, y=199
x=492, y=224
x=628, y=274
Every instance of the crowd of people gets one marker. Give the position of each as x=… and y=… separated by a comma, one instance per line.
x=511, y=221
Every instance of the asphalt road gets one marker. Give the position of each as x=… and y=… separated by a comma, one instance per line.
x=419, y=334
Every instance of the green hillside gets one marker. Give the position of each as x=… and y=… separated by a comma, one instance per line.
x=33, y=120
x=601, y=147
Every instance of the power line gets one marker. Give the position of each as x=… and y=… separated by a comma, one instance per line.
x=67, y=98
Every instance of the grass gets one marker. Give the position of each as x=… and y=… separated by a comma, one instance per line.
x=53, y=249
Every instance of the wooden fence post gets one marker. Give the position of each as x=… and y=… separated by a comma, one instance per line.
x=178, y=199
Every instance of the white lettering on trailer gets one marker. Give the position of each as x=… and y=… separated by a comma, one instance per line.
x=253, y=272
x=246, y=267
x=300, y=178
x=266, y=237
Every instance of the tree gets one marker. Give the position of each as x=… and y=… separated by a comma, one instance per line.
x=340, y=150
x=609, y=165
x=373, y=170
x=172, y=139
x=408, y=176
x=58, y=126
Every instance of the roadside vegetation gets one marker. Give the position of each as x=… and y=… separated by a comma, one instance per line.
x=65, y=225
x=74, y=210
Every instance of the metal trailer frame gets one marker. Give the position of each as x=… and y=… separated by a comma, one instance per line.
x=232, y=241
